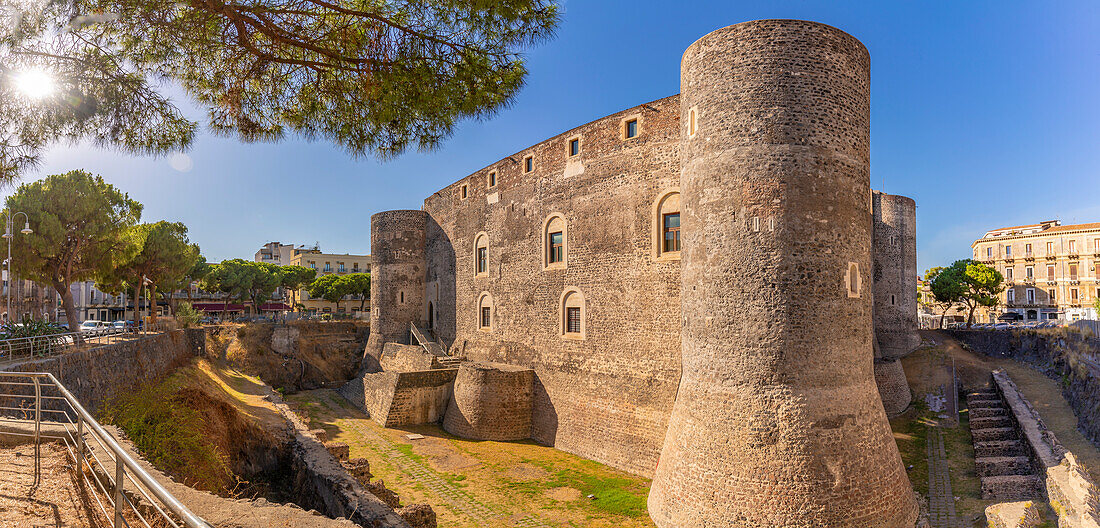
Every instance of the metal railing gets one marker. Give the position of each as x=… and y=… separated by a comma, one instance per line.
x=56, y=344
x=60, y=417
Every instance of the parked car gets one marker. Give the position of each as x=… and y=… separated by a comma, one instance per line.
x=94, y=327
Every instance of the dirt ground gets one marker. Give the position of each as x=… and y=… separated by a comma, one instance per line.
x=55, y=501
x=483, y=484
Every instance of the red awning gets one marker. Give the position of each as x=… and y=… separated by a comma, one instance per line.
x=235, y=307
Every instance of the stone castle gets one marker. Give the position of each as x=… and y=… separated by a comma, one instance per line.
x=703, y=289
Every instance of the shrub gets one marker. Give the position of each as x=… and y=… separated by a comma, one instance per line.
x=187, y=316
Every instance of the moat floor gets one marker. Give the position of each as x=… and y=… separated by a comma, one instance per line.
x=483, y=484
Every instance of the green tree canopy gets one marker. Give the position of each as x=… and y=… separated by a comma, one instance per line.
x=947, y=288
x=163, y=262
x=244, y=280
x=371, y=76
x=294, y=277
x=359, y=284
x=969, y=282
x=331, y=288
x=82, y=231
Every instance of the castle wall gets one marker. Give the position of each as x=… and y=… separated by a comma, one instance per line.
x=893, y=387
x=778, y=421
x=398, y=242
x=895, y=274
x=491, y=402
x=605, y=396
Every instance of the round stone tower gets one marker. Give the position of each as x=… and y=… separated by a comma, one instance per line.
x=895, y=274
x=777, y=421
x=397, y=245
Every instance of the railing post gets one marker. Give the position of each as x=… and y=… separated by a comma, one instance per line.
x=120, y=476
x=37, y=430
x=80, y=449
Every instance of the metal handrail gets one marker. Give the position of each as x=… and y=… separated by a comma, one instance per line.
x=159, y=498
x=54, y=344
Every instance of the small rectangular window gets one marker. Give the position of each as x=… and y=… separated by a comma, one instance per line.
x=1008, y=273
x=556, y=249
x=1073, y=294
x=1027, y=249
x=1011, y=295
x=493, y=179
x=1052, y=296
x=989, y=252
x=1030, y=296
x=574, y=147
x=1050, y=248
x=1008, y=251
x=1030, y=272
x=486, y=315
x=672, y=232
x=528, y=164
x=573, y=320
x=631, y=129
x=1073, y=246
x=482, y=260
x=691, y=122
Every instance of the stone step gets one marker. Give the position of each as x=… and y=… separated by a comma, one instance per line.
x=983, y=392
x=1010, y=487
x=1000, y=466
x=993, y=433
x=988, y=412
x=984, y=404
x=986, y=423
x=999, y=448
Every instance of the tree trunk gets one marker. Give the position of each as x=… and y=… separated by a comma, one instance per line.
x=362, y=302
x=943, y=316
x=970, y=316
x=70, y=310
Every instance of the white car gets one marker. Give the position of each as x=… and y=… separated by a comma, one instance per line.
x=94, y=327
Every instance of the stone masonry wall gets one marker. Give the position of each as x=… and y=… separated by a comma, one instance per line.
x=99, y=374
x=491, y=402
x=778, y=421
x=397, y=278
x=895, y=273
x=893, y=388
x=607, y=396
x=394, y=399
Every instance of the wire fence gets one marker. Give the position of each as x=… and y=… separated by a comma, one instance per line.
x=35, y=407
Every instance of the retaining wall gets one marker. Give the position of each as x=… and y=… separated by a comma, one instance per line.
x=1070, y=490
x=492, y=401
x=407, y=358
x=99, y=374
x=394, y=399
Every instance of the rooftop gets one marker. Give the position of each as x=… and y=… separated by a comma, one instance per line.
x=1042, y=228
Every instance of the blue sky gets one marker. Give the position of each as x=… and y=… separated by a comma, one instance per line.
x=985, y=112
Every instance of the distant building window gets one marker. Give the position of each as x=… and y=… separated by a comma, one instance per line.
x=1073, y=294
x=1073, y=246
x=630, y=129
x=1008, y=273
x=328, y=267
x=1053, y=297
x=1050, y=272
x=989, y=252
x=312, y=265
x=1027, y=249
x=1031, y=295
x=355, y=267
x=672, y=232
x=1029, y=272
x=574, y=146
x=342, y=268
x=1011, y=295
x=1050, y=248
x=492, y=179
x=1073, y=272
x=1096, y=245
x=1008, y=250
x=529, y=164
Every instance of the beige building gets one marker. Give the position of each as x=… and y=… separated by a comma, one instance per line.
x=281, y=254
x=1050, y=270
x=326, y=264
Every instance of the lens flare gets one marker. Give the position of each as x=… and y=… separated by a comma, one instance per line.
x=34, y=84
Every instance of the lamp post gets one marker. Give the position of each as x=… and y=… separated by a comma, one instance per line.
x=8, y=235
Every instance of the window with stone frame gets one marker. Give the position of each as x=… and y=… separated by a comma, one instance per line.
x=572, y=320
x=557, y=248
x=481, y=254
x=572, y=314
x=671, y=239
x=485, y=312
x=486, y=316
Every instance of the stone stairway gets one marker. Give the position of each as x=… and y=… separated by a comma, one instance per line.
x=1000, y=457
x=451, y=361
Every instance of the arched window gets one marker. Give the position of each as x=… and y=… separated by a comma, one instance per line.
x=572, y=314
x=485, y=312
x=666, y=225
x=481, y=254
x=555, y=242
x=852, y=281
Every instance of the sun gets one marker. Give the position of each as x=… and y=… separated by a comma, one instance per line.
x=34, y=84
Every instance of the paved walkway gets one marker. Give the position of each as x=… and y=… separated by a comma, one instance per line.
x=457, y=499
x=941, y=502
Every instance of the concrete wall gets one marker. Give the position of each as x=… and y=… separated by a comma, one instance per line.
x=605, y=396
x=491, y=401
x=778, y=421
x=1070, y=490
x=98, y=374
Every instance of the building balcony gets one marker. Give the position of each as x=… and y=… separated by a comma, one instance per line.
x=1052, y=257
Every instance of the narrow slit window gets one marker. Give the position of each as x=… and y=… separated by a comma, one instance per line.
x=464, y=193
x=492, y=179
x=691, y=122
x=528, y=164
x=672, y=232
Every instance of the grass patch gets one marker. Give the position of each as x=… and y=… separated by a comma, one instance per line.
x=611, y=494
x=911, y=434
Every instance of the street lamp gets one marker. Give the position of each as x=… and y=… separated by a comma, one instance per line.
x=8, y=235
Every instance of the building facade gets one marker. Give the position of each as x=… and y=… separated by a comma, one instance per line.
x=329, y=264
x=1050, y=270
x=738, y=352
x=281, y=254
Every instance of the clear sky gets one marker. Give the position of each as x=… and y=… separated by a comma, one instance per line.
x=986, y=113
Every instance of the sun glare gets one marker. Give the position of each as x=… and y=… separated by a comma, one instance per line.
x=34, y=84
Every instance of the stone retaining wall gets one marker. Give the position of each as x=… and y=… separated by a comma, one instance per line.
x=394, y=399
x=492, y=401
x=1070, y=491
x=99, y=374
x=407, y=358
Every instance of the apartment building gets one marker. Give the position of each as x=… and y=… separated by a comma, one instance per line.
x=281, y=254
x=325, y=264
x=1050, y=270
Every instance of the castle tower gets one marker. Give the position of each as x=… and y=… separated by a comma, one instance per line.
x=777, y=421
x=398, y=266
x=895, y=274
